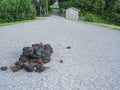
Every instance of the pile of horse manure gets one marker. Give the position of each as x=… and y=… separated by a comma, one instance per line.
x=33, y=58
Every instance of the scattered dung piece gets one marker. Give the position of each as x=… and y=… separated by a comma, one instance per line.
x=46, y=60
x=3, y=68
x=40, y=68
x=15, y=68
x=49, y=48
x=28, y=68
x=33, y=58
x=68, y=47
x=23, y=59
x=61, y=61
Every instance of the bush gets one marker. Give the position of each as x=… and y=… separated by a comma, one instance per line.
x=113, y=18
x=87, y=16
x=16, y=10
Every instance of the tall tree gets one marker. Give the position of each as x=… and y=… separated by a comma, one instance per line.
x=42, y=6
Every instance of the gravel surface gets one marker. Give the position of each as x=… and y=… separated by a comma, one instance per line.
x=92, y=63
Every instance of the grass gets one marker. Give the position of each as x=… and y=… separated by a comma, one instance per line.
x=98, y=24
x=102, y=24
x=18, y=22
x=54, y=7
x=97, y=20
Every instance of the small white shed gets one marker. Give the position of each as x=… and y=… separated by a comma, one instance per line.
x=72, y=13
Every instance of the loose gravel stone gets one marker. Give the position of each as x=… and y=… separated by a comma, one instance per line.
x=68, y=47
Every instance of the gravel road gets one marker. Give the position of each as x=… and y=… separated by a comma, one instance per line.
x=92, y=63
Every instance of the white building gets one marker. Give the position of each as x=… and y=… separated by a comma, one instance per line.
x=72, y=13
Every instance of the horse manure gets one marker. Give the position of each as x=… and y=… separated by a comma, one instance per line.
x=33, y=58
x=61, y=61
x=69, y=47
x=3, y=68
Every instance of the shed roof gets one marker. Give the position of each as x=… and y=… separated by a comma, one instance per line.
x=73, y=9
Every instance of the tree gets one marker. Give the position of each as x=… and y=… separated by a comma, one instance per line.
x=43, y=6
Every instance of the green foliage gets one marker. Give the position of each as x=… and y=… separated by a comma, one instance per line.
x=16, y=10
x=54, y=7
x=43, y=6
x=19, y=22
x=93, y=9
x=113, y=12
x=87, y=16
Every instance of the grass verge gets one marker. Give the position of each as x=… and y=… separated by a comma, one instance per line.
x=98, y=24
x=18, y=22
x=94, y=19
x=54, y=7
x=102, y=24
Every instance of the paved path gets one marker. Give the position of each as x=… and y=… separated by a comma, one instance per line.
x=93, y=62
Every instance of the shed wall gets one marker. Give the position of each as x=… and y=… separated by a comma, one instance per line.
x=72, y=14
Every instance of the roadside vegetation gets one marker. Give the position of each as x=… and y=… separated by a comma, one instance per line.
x=13, y=11
x=19, y=22
x=98, y=11
x=102, y=24
x=54, y=7
x=43, y=7
x=16, y=10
